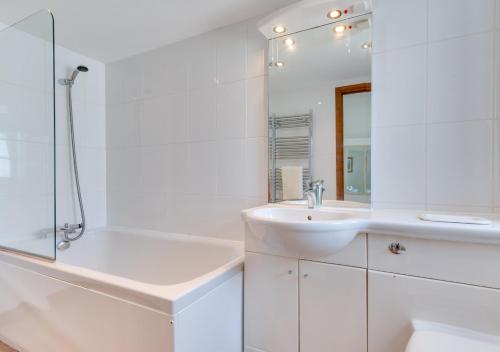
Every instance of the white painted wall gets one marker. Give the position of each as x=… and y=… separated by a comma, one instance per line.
x=436, y=105
x=186, y=134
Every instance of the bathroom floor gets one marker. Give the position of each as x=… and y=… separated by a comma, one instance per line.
x=5, y=348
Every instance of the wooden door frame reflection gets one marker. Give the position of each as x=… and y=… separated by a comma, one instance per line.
x=339, y=129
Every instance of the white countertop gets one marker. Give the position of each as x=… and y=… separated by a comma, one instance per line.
x=406, y=223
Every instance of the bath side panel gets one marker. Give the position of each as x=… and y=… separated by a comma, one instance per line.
x=214, y=323
x=42, y=314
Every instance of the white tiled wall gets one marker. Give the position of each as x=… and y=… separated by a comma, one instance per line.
x=187, y=134
x=26, y=190
x=26, y=136
x=186, y=123
x=436, y=85
x=89, y=113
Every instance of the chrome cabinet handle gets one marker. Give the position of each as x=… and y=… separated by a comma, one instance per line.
x=397, y=248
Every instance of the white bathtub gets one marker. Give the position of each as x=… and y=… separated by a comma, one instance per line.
x=123, y=290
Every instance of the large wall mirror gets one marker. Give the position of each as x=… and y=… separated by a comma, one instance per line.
x=319, y=112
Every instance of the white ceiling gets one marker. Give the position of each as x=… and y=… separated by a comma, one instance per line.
x=108, y=30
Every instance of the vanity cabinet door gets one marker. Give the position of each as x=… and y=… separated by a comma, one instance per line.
x=271, y=303
x=332, y=308
x=398, y=301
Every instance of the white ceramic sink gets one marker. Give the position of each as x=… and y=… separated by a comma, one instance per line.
x=299, y=215
x=303, y=233
x=329, y=203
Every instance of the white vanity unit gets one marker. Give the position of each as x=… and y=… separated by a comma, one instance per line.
x=396, y=275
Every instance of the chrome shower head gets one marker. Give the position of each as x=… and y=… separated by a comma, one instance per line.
x=71, y=80
x=77, y=71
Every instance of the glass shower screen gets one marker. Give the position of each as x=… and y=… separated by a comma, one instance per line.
x=27, y=138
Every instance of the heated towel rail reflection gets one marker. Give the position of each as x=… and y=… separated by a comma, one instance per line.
x=290, y=143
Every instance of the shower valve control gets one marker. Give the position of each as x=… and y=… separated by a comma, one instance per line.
x=70, y=228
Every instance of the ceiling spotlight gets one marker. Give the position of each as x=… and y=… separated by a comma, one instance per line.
x=340, y=29
x=279, y=29
x=289, y=42
x=334, y=14
x=280, y=64
x=366, y=45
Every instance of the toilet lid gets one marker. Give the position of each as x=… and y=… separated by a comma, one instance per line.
x=433, y=341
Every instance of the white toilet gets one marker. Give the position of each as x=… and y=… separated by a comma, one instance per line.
x=431, y=337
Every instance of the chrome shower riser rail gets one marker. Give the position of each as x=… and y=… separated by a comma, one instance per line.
x=69, y=229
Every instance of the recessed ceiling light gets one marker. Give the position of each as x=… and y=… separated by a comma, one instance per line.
x=280, y=64
x=289, y=42
x=340, y=29
x=279, y=29
x=334, y=14
x=366, y=45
